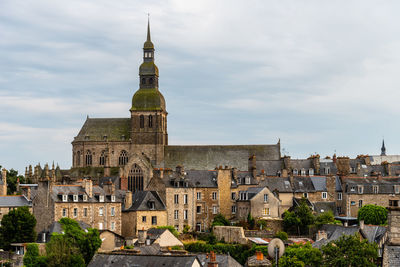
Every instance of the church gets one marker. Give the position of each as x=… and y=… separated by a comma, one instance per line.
x=139, y=144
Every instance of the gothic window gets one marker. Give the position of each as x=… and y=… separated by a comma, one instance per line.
x=88, y=158
x=135, y=179
x=123, y=158
x=102, y=160
x=78, y=158
x=141, y=118
x=143, y=80
x=150, y=121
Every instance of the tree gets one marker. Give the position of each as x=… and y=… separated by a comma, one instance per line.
x=220, y=220
x=305, y=254
x=373, y=214
x=325, y=218
x=290, y=262
x=12, y=180
x=251, y=221
x=350, y=251
x=299, y=219
x=18, y=226
x=32, y=257
x=170, y=228
x=281, y=235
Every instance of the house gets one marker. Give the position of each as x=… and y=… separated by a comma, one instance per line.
x=8, y=203
x=56, y=227
x=260, y=202
x=163, y=237
x=110, y=240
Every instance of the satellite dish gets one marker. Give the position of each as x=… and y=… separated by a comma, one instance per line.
x=276, y=248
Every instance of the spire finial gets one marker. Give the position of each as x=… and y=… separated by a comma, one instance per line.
x=383, y=148
x=148, y=28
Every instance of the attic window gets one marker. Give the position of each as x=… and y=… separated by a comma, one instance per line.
x=311, y=172
x=75, y=198
x=151, y=205
x=295, y=172
x=360, y=189
x=327, y=170
x=305, y=195
x=247, y=180
x=87, y=137
x=123, y=137
x=300, y=183
x=303, y=172
x=352, y=189
x=104, y=137
x=101, y=198
x=112, y=198
x=84, y=197
x=287, y=184
x=375, y=189
x=396, y=189
x=278, y=174
x=65, y=198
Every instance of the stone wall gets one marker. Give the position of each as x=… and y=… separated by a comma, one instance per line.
x=180, y=207
x=133, y=221
x=230, y=234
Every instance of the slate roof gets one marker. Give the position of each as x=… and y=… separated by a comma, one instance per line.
x=194, y=178
x=70, y=190
x=338, y=184
x=301, y=164
x=96, y=128
x=270, y=167
x=374, y=233
x=334, y=232
x=56, y=227
x=208, y=157
x=14, y=201
x=114, y=179
x=319, y=183
x=385, y=186
x=323, y=206
x=279, y=184
x=223, y=260
x=303, y=184
x=252, y=192
x=141, y=200
x=393, y=258
x=108, y=260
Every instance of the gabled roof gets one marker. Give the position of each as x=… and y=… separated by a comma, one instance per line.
x=280, y=184
x=319, y=183
x=14, y=201
x=96, y=129
x=223, y=260
x=303, y=184
x=141, y=201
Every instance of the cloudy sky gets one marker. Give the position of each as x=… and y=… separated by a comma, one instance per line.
x=323, y=76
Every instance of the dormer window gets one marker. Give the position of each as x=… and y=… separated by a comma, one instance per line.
x=65, y=198
x=151, y=205
x=375, y=189
x=123, y=137
x=303, y=172
x=101, y=198
x=278, y=174
x=247, y=180
x=396, y=189
x=75, y=198
x=84, y=197
x=352, y=188
x=143, y=80
x=112, y=198
x=305, y=195
x=295, y=172
x=311, y=172
x=327, y=170
x=360, y=189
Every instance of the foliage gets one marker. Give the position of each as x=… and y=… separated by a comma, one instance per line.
x=262, y=224
x=325, y=218
x=373, y=214
x=281, y=235
x=305, y=254
x=251, y=221
x=32, y=257
x=299, y=219
x=285, y=261
x=350, y=251
x=186, y=229
x=176, y=248
x=75, y=247
x=12, y=180
x=220, y=220
x=18, y=226
x=170, y=228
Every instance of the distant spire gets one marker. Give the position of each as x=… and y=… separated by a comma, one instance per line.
x=383, y=148
x=148, y=28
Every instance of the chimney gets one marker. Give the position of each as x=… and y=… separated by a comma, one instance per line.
x=379, y=176
x=291, y=179
x=346, y=224
x=161, y=173
x=334, y=158
x=286, y=162
x=321, y=234
x=180, y=170
x=4, y=178
x=109, y=187
x=234, y=173
x=88, y=185
x=128, y=199
x=284, y=173
x=253, y=166
x=213, y=260
x=142, y=234
x=388, y=168
x=259, y=255
x=362, y=224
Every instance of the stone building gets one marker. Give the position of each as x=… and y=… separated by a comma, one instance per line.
x=260, y=202
x=8, y=203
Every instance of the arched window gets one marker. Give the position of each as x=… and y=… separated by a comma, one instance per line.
x=143, y=80
x=88, y=158
x=135, y=179
x=151, y=81
x=141, y=118
x=150, y=121
x=102, y=159
x=78, y=158
x=123, y=158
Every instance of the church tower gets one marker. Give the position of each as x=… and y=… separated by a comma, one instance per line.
x=148, y=112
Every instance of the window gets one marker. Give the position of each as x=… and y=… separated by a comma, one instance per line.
x=360, y=203
x=303, y=172
x=198, y=209
x=112, y=198
x=100, y=226
x=353, y=203
x=102, y=159
x=64, y=212
x=113, y=226
x=233, y=209
x=176, y=214
x=151, y=204
x=101, y=198
x=78, y=158
x=324, y=195
x=143, y=80
x=233, y=196
x=151, y=117
x=65, y=198
x=214, y=195
x=84, y=197
x=141, y=119
x=352, y=169
x=396, y=189
x=265, y=211
x=339, y=210
x=154, y=220
x=84, y=212
x=112, y=211
x=185, y=199
x=185, y=214
x=247, y=180
x=305, y=195
x=327, y=170
x=88, y=158
x=198, y=195
x=75, y=212
x=295, y=172
x=265, y=197
x=311, y=171
x=144, y=218
x=360, y=189
x=215, y=209
x=151, y=81
x=339, y=196
x=176, y=199
x=75, y=198
x=123, y=158
x=352, y=189
x=198, y=227
x=393, y=203
x=135, y=179
x=100, y=211
x=375, y=189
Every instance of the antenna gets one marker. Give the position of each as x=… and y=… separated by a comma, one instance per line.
x=276, y=248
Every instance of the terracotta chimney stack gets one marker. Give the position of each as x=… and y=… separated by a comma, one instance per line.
x=213, y=260
x=259, y=255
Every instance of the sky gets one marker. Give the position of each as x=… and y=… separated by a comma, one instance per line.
x=321, y=76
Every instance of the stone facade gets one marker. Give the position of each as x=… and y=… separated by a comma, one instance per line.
x=134, y=221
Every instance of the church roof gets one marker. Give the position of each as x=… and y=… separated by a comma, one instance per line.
x=114, y=129
x=148, y=99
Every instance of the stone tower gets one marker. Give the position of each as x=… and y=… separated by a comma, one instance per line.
x=383, y=148
x=148, y=112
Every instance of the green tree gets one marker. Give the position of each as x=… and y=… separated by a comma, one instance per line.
x=220, y=220
x=281, y=235
x=285, y=261
x=349, y=251
x=251, y=221
x=299, y=219
x=170, y=228
x=305, y=254
x=12, y=180
x=373, y=214
x=32, y=257
x=325, y=218
x=18, y=226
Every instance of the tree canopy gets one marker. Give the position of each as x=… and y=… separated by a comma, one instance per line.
x=301, y=255
x=18, y=226
x=299, y=219
x=325, y=218
x=220, y=220
x=373, y=214
x=349, y=251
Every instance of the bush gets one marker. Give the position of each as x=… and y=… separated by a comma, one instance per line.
x=170, y=228
x=373, y=214
x=220, y=220
x=281, y=235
